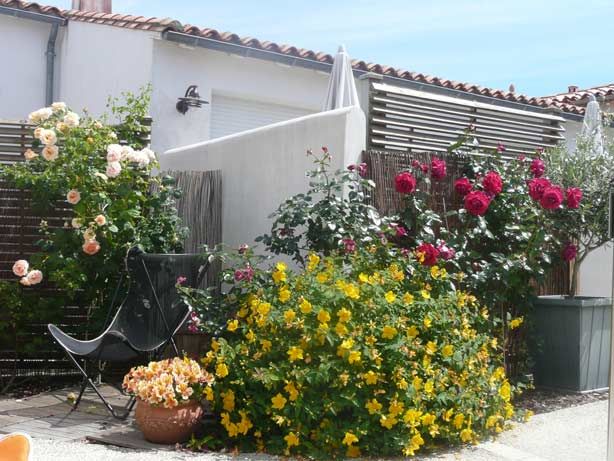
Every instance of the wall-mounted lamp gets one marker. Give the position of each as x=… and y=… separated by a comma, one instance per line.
x=191, y=99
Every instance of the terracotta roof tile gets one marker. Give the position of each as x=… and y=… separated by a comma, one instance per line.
x=567, y=102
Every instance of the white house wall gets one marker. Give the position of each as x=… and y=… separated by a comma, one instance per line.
x=97, y=61
x=23, y=44
x=175, y=67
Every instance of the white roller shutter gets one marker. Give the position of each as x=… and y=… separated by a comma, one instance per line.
x=232, y=115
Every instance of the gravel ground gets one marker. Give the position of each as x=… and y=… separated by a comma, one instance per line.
x=546, y=400
x=572, y=434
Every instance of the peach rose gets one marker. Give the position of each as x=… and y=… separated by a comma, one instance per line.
x=114, y=153
x=91, y=247
x=113, y=169
x=61, y=127
x=76, y=223
x=20, y=268
x=50, y=153
x=40, y=115
x=58, y=106
x=89, y=234
x=48, y=137
x=73, y=197
x=34, y=277
x=71, y=119
x=100, y=220
x=24, y=281
x=37, y=132
x=30, y=154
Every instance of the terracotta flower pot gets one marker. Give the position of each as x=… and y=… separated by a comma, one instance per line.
x=168, y=425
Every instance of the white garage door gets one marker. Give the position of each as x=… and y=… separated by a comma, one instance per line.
x=231, y=115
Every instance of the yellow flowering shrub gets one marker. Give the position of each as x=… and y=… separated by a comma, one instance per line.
x=364, y=354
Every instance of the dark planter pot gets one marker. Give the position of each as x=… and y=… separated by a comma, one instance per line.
x=572, y=349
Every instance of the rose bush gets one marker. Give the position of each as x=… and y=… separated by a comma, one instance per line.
x=375, y=353
x=115, y=203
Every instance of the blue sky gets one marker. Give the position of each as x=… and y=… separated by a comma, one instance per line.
x=541, y=46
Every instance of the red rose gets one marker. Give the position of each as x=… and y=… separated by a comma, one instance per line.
x=537, y=168
x=569, y=252
x=552, y=198
x=427, y=254
x=537, y=187
x=477, y=202
x=438, y=169
x=492, y=183
x=462, y=186
x=574, y=195
x=405, y=183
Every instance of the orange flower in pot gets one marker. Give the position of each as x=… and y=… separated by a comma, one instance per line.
x=169, y=394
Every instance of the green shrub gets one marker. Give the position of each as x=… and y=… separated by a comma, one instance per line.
x=366, y=353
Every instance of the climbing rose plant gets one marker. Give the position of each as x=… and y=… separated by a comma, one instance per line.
x=106, y=182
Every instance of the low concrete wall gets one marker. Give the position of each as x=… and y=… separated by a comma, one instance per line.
x=262, y=167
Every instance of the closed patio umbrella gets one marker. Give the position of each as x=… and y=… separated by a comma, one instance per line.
x=592, y=127
x=341, y=87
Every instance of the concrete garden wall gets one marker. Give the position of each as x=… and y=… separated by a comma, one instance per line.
x=262, y=167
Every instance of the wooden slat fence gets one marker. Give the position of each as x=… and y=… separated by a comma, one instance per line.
x=383, y=166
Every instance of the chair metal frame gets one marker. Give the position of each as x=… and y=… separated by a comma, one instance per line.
x=124, y=411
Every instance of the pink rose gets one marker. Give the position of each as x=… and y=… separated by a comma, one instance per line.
x=73, y=197
x=20, y=268
x=243, y=248
x=492, y=183
x=114, y=153
x=113, y=169
x=34, y=277
x=427, y=254
x=24, y=281
x=445, y=251
x=101, y=220
x=500, y=148
x=574, y=195
x=538, y=167
x=569, y=252
x=400, y=231
x=477, y=202
x=244, y=274
x=537, y=187
x=405, y=183
x=91, y=247
x=349, y=245
x=438, y=169
x=462, y=186
x=181, y=280
x=552, y=198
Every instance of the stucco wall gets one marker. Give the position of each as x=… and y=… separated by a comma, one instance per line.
x=97, y=61
x=22, y=53
x=176, y=67
x=262, y=167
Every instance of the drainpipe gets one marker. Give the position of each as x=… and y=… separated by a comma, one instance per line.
x=53, y=35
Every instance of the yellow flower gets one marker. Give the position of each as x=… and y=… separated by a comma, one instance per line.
x=429, y=387
x=264, y=308
x=279, y=401
x=291, y=440
x=414, y=444
x=228, y=399
x=466, y=435
x=349, y=439
x=233, y=325
x=491, y=421
x=322, y=277
x=447, y=415
x=353, y=451
x=427, y=419
x=412, y=417
x=341, y=329
x=505, y=391
x=289, y=315
x=427, y=322
x=295, y=353
x=408, y=298
x=417, y=383
x=344, y=315
x=388, y=421
x=250, y=336
x=425, y=294
x=389, y=332
x=221, y=370
x=209, y=394
x=279, y=276
x=435, y=272
x=412, y=332
x=323, y=316
x=447, y=350
x=390, y=297
x=292, y=391
x=305, y=306
x=458, y=421
x=215, y=345
x=363, y=278
x=370, y=377
x=351, y=291
x=396, y=408
x=281, y=266
x=515, y=323
x=354, y=357
x=284, y=294
x=528, y=415
x=312, y=261
x=373, y=406
x=431, y=348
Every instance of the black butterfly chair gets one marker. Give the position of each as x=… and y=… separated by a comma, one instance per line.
x=145, y=322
